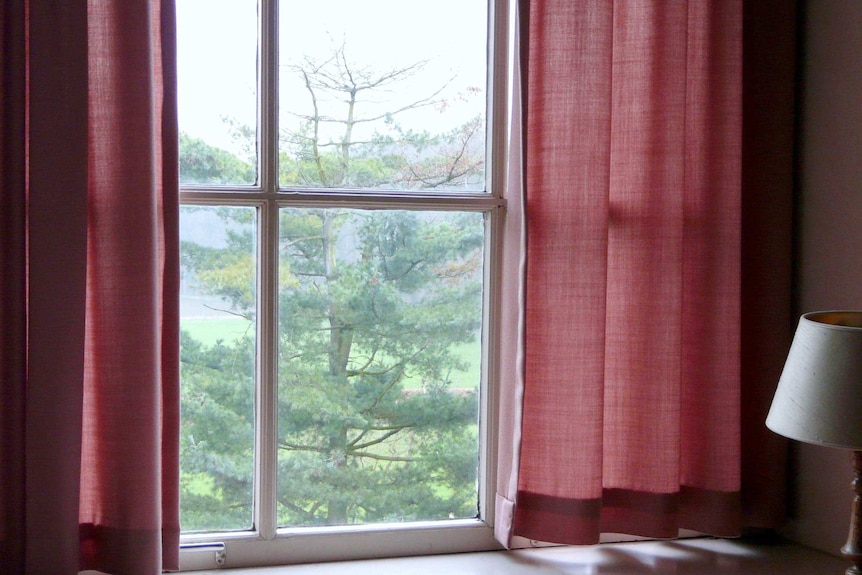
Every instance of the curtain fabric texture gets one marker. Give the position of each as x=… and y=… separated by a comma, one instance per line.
x=90, y=409
x=630, y=385
x=131, y=377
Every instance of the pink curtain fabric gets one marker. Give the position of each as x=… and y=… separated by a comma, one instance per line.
x=90, y=406
x=130, y=459
x=631, y=393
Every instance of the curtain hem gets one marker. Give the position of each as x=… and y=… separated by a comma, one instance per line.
x=124, y=551
x=656, y=515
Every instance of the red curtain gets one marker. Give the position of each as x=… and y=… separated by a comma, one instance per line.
x=90, y=412
x=631, y=381
x=130, y=459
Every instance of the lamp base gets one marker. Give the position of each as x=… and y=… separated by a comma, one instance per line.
x=852, y=550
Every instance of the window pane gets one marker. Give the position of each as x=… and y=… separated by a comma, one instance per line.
x=380, y=315
x=217, y=307
x=382, y=94
x=217, y=92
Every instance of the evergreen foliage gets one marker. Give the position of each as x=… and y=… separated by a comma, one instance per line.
x=373, y=426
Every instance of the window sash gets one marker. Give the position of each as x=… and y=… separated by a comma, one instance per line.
x=265, y=544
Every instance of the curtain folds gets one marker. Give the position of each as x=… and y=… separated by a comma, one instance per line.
x=90, y=408
x=630, y=420
x=130, y=459
x=632, y=402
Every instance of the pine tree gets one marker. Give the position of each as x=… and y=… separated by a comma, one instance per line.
x=376, y=420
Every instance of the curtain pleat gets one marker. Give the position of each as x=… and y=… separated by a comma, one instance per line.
x=631, y=416
x=56, y=193
x=89, y=403
x=565, y=309
x=129, y=490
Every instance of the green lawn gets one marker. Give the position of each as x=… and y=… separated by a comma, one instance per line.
x=469, y=379
x=209, y=330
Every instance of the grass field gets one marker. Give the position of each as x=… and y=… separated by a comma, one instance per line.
x=209, y=330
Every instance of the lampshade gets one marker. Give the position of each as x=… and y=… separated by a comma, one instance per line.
x=819, y=395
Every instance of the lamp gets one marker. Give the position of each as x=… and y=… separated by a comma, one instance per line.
x=819, y=399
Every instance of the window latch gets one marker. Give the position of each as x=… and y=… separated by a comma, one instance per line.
x=217, y=548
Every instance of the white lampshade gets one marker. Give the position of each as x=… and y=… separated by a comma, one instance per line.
x=819, y=395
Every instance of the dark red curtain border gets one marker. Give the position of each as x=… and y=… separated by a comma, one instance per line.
x=650, y=514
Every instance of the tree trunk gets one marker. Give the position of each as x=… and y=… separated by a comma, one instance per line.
x=336, y=506
x=340, y=342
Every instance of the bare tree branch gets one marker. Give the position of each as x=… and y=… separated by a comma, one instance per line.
x=379, y=457
x=377, y=441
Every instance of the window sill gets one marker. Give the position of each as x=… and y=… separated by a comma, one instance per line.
x=691, y=556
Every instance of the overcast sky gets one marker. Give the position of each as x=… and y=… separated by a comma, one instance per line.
x=217, y=45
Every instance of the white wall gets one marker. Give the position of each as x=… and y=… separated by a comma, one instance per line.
x=830, y=232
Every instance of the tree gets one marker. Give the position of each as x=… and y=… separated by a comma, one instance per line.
x=326, y=150
x=373, y=305
x=355, y=325
x=201, y=163
x=217, y=455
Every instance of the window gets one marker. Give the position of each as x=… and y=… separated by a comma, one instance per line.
x=340, y=163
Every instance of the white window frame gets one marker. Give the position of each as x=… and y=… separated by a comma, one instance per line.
x=265, y=544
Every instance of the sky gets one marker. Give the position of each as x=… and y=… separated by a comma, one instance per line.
x=217, y=47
